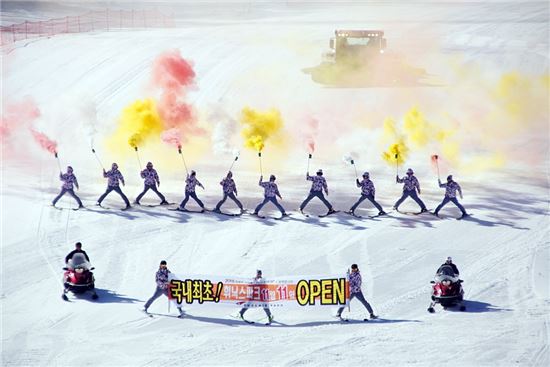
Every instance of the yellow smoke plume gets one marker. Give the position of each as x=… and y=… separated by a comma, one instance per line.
x=258, y=127
x=397, y=142
x=138, y=124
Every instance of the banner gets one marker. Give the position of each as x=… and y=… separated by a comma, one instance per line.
x=265, y=292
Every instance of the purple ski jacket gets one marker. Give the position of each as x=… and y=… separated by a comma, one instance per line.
x=355, y=282
x=228, y=186
x=451, y=189
x=151, y=177
x=319, y=183
x=114, y=176
x=270, y=189
x=410, y=183
x=161, y=278
x=68, y=180
x=367, y=187
x=191, y=182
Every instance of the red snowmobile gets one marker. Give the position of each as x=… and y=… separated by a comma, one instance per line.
x=78, y=277
x=447, y=289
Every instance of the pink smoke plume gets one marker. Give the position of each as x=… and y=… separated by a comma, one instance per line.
x=438, y=160
x=310, y=131
x=174, y=76
x=44, y=141
x=17, y=117
x=172, y=137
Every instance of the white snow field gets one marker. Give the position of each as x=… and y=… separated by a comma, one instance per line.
x=255, y=56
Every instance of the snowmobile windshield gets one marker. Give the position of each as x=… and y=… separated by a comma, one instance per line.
x=446, y=272
x=79, y=261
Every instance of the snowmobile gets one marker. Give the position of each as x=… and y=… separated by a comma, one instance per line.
x=78, y=277
x=447, y=290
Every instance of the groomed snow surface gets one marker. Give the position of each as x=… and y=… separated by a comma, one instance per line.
x=502, y=251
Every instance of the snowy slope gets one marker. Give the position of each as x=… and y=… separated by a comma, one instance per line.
x=502, y=251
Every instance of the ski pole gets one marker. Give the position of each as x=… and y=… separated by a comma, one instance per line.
x=137, y=155
x=232, y=163
x=348, y=300
x=58, y=163
x=96, y=157
x=183, y=159
x=396, y=164
x=260, y=158
x=354, y=168
x=308, y=159
x=436, y=157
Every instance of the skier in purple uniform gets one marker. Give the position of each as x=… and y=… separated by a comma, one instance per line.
x=69, y=179
x=257, y=280
x=114, y=176
x=451, y=187
x=318, y=185
x=229, y=191
x=190, y=184
x=410, y=185
x=151, y=182
x=355, y=292
x=271, y=191
x=367, y=192
x=163, y=286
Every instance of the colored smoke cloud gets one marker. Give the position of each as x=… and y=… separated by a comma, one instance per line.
x=224, y=128
x=44, y=142
x=139, y=123
x=174, y=76
x=258, y=126
x=309, y=132
x=398, y=150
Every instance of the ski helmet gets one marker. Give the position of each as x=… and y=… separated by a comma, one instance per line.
x=193, y=172
x=410, y=171
x=69, y=169
x=78, y=245
x=354, y=266
x=320, y=172
x=449, y=260
x=114, y=166
x=163, y=262
x=365, y=174
x=450, y=178
x=149, y=165
x=272, y=178
x=229, y=174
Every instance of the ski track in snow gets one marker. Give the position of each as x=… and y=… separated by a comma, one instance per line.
x=502, y=255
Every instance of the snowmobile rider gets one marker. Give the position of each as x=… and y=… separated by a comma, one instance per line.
x=163, y=286
x=113, y=177
x=367, y=192
x=271, y=191
x=229, y=191
x=257, y=280
x=68, y=180
x=410, y=185
x=451, y=187
x=78, y=250
x=190, y=184
x=151, y=182
x=355, y=292
x=317, y=186
x=449, y=262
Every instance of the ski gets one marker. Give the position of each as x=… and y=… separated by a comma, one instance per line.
x=257, y=215
x=107, y=208
x=178, y=209
x=147, y=313
x=353, y=214
x=224, y=213
x=302, y=212
x=378, y=215
x=326, y=215
x=286, y=215
x=153, y=205
x=413, y=213
x=464, y=216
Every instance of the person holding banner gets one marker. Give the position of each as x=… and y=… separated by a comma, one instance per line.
x=229, y=190
x=451, y=187
x=318, y=184
x=163, y=287
x=271, y=191
x=190, y=184
x=367, y=192
x=69, y=179
x=256, y=280
x=355, y=292
x=113, y=177
x=151, y=181
x=410, y=186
